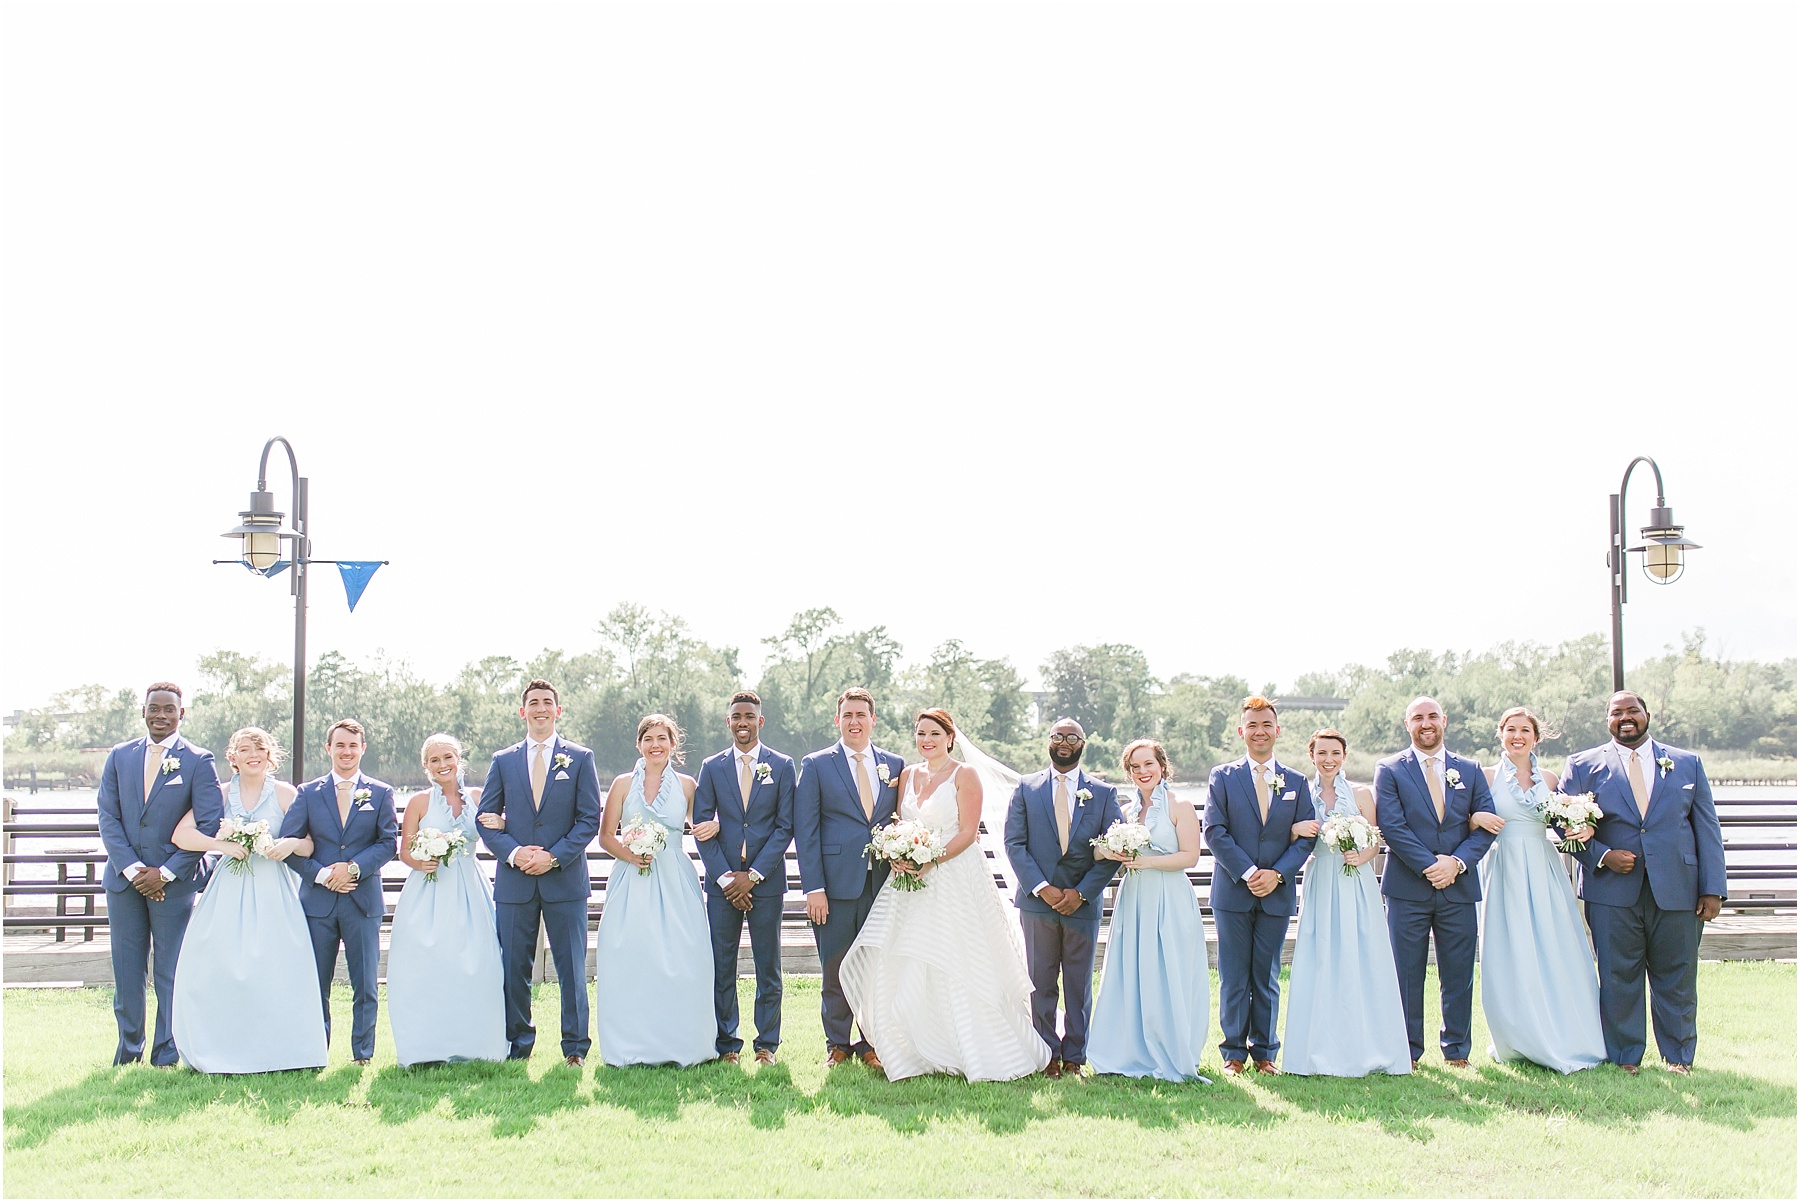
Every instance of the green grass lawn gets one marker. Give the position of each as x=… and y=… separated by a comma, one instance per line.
x=74, y=1126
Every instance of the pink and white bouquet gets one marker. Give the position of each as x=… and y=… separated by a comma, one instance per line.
x=1348, y=834
x=433, y=844
x=1124, y=839
x=253, y=837
x=906, y=840
x=1570, y=811
x=644, y=837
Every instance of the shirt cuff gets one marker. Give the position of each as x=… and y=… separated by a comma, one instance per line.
x=166, y=874
x=513, y=855
x=1250, y=872
x=323, y=873
x=135, y=867
x=820, y=892
x=1039, y=891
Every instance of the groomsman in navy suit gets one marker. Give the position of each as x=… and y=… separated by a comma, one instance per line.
x=748, y=790
x=1423, y=799
x=148, y=784
x=1251, y=806
x=1652, y=875
x=350, y=819
x=541, y=841
x=1051, y=822
x=844, y=790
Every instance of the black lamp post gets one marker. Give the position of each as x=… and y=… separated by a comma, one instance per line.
x=259, y=528
x=1663, y=561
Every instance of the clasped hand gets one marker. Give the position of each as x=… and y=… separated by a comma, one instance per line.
x=149, y=882
x=1063, y=901
x=532, y=860
x=1263, y=882
x=1442, y=873
x=339, y=879
x=736, y=887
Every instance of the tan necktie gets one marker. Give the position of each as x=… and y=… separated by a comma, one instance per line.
x=1262, y=791
x=864, y=788
x=153, y=756
x=1640, y=788
x=540, y=772
x=744, y=780
x=1435, y=782
x=1062, y=812
x=343, y=800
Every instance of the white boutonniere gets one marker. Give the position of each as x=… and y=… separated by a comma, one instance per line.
x=1666, y=764
x=171, y=764
x=881, y=770
x=762, y=773
x=362, y=795
x=560, y=761
x=1083, y=796
x=1279, y=783
x=1453, y=778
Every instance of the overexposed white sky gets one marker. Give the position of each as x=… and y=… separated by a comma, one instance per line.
x=1266, y=337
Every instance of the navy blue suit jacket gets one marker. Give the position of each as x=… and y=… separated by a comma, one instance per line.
x=1240, y=840
x=830, y=831
x=1414, y=836
x=1037, y=858
x=369, y=839
x=563, y=823
x=136, y=829
x=765, y=830
x=1679, y=848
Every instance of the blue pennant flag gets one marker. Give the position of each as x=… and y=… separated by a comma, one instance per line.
x=273, y=570
x=356, y=574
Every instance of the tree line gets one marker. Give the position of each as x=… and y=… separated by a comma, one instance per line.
x=646, y=661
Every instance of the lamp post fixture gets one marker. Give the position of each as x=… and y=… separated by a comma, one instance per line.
x=259, y=529
x=1663, y=546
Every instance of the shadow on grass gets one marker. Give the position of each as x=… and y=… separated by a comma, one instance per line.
x=503, y=1093
x=1414, y=1107
x=168, y=1095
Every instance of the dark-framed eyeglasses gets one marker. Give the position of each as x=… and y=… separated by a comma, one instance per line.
x=1067, y=739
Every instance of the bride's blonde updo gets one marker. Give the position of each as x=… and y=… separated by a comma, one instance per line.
x=942, y=718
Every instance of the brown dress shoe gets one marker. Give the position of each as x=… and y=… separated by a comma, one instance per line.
x=1267, y=1068
x=1681, y=1070
x=1234, y=1068
x=1053, y=1070
x=836, y=1056
x=1459, y=1062
x=1415, y=1066
x=1631, y=1070
x=871, y=1059
x=729, y=1057
x=573, y=1061
x=765, y=1056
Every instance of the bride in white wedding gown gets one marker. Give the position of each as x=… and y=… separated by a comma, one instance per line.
x=937, y=976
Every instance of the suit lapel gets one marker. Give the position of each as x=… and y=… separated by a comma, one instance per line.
x=1656, y=774
x=1418, y=778
x=157, y=780
x=1246, y=789
x=1615, y=776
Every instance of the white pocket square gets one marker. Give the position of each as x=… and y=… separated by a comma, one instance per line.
x=562, y=776
x=177, y=780
x=1687, y=786
x=365, y=806
x=1289, y=795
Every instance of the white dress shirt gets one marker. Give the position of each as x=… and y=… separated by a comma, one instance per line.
x=336, y=780
x=531, y=750
x=159, y=750
x=1071, y=778
x=755, y=754
x=1644, y=749
x=1431, y=763
x=1268, y=766
x=868, y=762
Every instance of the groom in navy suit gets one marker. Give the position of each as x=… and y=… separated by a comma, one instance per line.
x=350, y=819
x=1652, y=874
x=148, y=784
x=1251, y=807
x=1423, y=799
x=1051, y=822
x=844, y=790
x=540, y=809
x=749, y=790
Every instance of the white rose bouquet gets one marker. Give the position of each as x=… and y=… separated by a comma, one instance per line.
x=253, y=837
x=907, y=840
x=1570, y=811
x=1348, y=834
x=644, y=837
x=1124, y=839
x=433, y=844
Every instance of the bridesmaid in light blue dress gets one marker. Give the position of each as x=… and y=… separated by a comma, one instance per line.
x=1344, y=1017
x=654, y=963
x=1540, y=991
x=246, y=990
x=444, y=993
x=1151, y=1014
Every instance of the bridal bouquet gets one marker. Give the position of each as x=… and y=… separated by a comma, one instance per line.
x=644, y=838
x=1348, y=834
x=1570, y=811
x=253, y=837
x=907, y=840
x=433, y=844
x=1124, y=839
